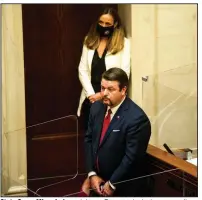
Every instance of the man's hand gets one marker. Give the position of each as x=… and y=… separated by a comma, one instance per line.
x=95, y=182
x=86, y=186
x=107, y=190
x=95, y=97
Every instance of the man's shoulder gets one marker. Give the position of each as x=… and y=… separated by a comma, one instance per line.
x=134, y=110
x=96, y=106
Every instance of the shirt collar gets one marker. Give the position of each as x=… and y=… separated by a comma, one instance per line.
x=114, y=109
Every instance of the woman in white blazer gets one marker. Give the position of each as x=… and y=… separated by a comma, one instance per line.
x=105, y=46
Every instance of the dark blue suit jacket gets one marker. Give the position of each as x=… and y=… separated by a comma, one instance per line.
x=124, y=146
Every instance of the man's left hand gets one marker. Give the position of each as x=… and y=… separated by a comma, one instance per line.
x=107, y=190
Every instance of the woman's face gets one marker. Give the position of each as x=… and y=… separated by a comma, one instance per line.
x=106, y=20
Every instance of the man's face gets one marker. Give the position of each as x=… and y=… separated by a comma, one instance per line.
x=112, y=95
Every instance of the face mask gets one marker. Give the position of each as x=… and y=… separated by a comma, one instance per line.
x=105, y=31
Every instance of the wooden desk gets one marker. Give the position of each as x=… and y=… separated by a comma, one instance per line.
x=170, y=175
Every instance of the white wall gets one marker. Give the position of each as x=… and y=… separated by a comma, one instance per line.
x=164, y=48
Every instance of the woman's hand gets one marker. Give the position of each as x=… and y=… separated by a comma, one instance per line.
x=95, y=97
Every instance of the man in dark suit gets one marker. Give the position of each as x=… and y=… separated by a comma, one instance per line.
x=116, y=140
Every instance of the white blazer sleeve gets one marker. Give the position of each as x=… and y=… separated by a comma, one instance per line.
x=126, y=55
x=84, y=73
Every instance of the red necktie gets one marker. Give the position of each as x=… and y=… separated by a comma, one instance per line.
x=105, y=125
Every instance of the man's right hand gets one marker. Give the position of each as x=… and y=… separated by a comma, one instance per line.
x=95, y=182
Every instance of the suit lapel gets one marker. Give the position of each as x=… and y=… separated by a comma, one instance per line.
x=118, y=117
x=99, y=123
x=90, y=57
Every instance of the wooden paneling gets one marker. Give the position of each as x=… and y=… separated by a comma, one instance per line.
x=53, y=37
x=170, y=175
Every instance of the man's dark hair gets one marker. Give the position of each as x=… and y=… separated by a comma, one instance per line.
x=116, y=74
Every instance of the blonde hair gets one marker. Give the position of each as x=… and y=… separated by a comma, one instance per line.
x=115, y=42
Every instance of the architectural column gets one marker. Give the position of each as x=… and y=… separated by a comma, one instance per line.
x=14, y=164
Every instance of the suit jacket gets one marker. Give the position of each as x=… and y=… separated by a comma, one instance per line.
x=124, y=146
x=120, y=59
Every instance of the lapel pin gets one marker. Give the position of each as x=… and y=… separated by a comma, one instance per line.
x=118, y=117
